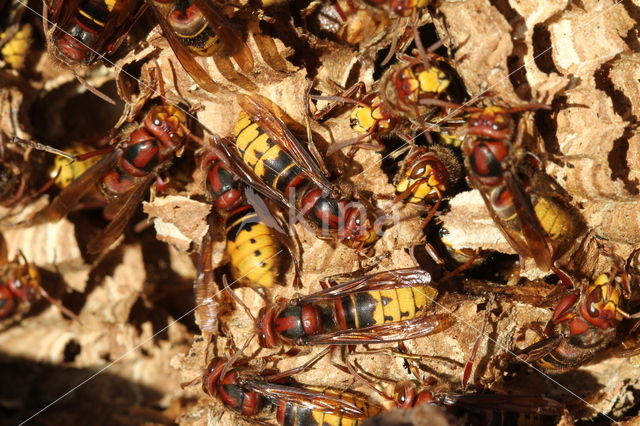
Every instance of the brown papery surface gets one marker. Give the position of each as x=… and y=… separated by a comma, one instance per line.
x=580, y=57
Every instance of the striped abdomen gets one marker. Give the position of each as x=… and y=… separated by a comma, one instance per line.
x=291, y=414
x=556, y=220
x=65, y=171
x=268, y=161
x=565, y=357
x=78, y=40
x=377, y=307
x=252, y=248
x=193, y=29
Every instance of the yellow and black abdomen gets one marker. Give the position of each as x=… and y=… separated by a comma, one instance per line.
x=93, y=15
x=291, y=414
x=556, y=220
x=193, y=29
x=65, y=171
x=366, y=309
x=252, y=248
x=269, y=162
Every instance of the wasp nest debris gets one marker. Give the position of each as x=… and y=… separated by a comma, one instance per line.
x=321, y=212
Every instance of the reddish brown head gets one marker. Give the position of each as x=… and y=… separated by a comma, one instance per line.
x=229, y=389
x=357, y=230
x=491, y=123
x=167, y=123
x=599, y=306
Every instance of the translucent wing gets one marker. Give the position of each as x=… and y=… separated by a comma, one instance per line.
x=410, y=277
x=186, y=59
x=280, y=134
x=307, y=398
x=69, y=197
x=384, y=333
x=129, y=203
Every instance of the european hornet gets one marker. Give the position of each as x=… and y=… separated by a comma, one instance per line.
x=251, y=394
x=477, y=408
x=426, y=177
x=484, y=409
x=407, y=395
x=15, y=38
x=417, y=88
x=270, y=159
x=255, y=238
x=139, y=152
x=252, y=246
x=370, y=117
x=20, y=181
x=197, y=28
x=86, y=30
x=342, y=21
x=20, y=285
x=383, y=307
x=526, y=204
x=17, y=180
x=427, y=174
x=584, y=322
x=411, y=95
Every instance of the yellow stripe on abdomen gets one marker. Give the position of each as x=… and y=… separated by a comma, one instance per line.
x=555, y=221
x=254, y=257
x=271, y=154
x=91, y=18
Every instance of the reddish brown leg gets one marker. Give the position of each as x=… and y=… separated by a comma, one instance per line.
x=466, y=265
x=351, y=95
x=297, y=370
x=57, y=304
x=468, y=368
